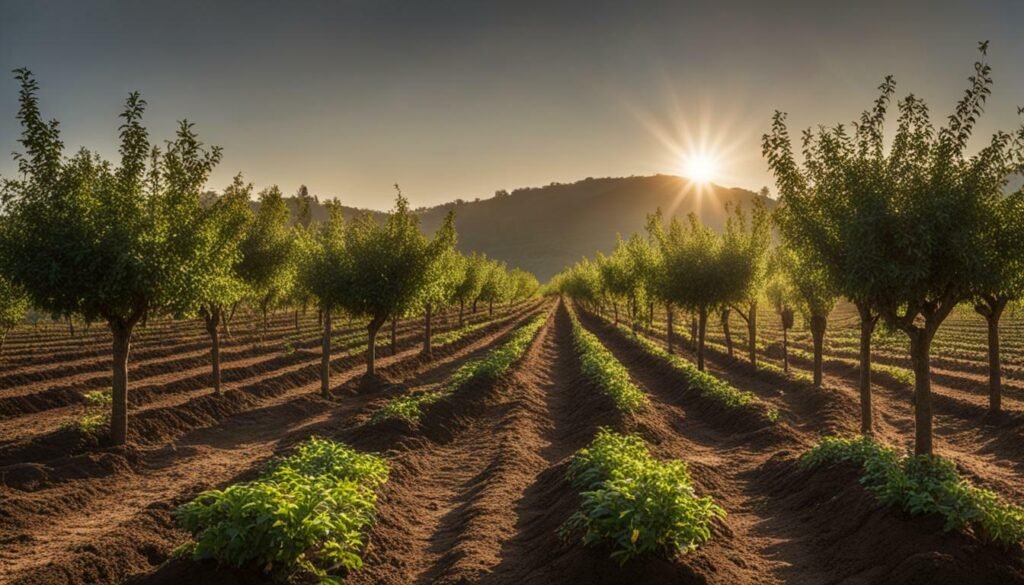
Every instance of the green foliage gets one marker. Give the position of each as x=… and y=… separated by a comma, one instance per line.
x=13, y=305
x=635, y=504
x=923, y=484
x=266, y=263
x=388, y=265
x=487, y=369
x=604, y=371
x=705, y=384
x=307, y=512
x=95, y=416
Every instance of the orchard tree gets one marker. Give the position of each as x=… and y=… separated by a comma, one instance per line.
x=700, y=272
x=444, y=272
x=223, y=225
x=83, y=237
x=322, y=271
x=779, y=290
x=523, y=285
x=933, y=204
x=468, y=288
x=13, y=307
x=749, y=242
x=813, y=294
x=267, y=265
x=387, y=267
x=496, y=286
x=1001, y=250
x=833, y=210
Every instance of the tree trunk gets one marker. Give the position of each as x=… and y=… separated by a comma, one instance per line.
x=3, y=340
x=296, y=320
x=122, y=335
x=490, y=309
x=694, y=328
x=702, y=331
x=371, y=351
x=213, y=318
x=650, y=316
x=427, y=330
x=785, y=349
x=668, y=324
x=394, y=336
x=325, y=354
x=818, y=324
x=71, y=326
x=992, y=310
x=263, y=307
x=462, y=313
x=474, y=305
x=995, y=381
x=752, y=333
x=726, y=332
x=867, y=327
x=615, y=312
x=920, y=353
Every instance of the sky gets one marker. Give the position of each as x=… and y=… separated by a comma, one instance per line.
x=459, y=98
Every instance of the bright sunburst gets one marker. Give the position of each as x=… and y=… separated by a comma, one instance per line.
x=700, y=168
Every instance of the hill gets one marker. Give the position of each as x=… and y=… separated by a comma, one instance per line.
x=544, y=229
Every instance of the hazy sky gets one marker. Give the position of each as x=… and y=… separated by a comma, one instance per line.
x=460, y=98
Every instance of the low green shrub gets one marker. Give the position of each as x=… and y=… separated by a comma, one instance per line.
x=604, y=371
x=95, y=417
x=488, y=368
x=634, y=503
x=924, y=484
x=307, y=512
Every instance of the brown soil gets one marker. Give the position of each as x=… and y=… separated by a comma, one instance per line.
x=477, y=490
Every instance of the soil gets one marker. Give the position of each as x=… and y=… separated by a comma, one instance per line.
x=477, y=491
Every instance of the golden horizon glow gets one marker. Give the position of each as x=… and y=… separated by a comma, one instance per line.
x=700, y=168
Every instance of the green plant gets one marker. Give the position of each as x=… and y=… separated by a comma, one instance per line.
x=489, y=368
x=705, y=384
x=604, y=371
x=96, y=413
x=634, y=503
x=923, y=484
x=307, y=512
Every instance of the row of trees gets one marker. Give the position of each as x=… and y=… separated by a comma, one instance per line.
x=80, y=236
x=905, y=233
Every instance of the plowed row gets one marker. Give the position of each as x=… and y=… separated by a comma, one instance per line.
x=477, y=490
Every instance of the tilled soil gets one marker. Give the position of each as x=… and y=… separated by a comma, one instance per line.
x=477, y=492
x=104, y=514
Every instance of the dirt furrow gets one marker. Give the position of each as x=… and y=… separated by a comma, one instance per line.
x=207, y=456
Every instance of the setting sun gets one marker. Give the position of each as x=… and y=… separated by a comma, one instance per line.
x=700, y=168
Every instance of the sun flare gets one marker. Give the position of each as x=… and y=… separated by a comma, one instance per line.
x=700, y=168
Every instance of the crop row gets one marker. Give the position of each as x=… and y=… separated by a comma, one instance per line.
x=489, y=368
x=604, y=371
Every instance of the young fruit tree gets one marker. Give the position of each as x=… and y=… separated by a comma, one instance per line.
x=444, y=272
x=13, y=307
x=267, y=265
x=85, y=237
x=496, y=286
x=932, y=205
x=701, y=272
x=1001, y=249
x=832, y=210
x=322, y=271
x=812, y=294
x=750, y=241
x=223, y=225
x=387, y=267
x=468, y=289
